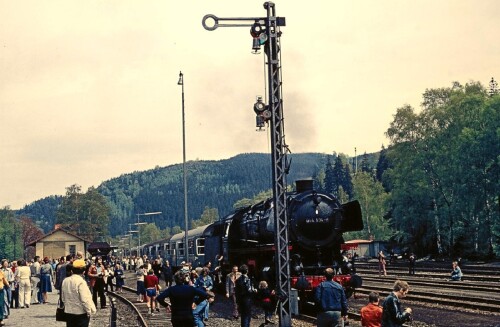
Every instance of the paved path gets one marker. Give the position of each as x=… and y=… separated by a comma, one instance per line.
x=44, y=315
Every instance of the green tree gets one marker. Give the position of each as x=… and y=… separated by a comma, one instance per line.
x=11, y=242
x=208, y=216
x=374, y=203
x=383, y=164
x=176, y=229
x=445, y=174
x=86, y=214
x=347, y=182
x=150, y=233
x=365, y=164
x=329, y=183
x=256, y=199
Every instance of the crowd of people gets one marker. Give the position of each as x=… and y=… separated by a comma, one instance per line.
x=82, y=281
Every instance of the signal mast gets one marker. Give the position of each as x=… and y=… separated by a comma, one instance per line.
x=266, y=32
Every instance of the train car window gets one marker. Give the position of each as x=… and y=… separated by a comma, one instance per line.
x=200, y=246
x=191, y=246
x=180, y=248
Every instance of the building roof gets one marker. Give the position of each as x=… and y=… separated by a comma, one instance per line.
x=54, y=231
x=100, y=248
x=193, y=232
x=358, y=242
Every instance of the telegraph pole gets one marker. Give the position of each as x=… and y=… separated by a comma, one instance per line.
x=266, y=31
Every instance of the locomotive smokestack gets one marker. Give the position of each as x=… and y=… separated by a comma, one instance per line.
x=304, y=185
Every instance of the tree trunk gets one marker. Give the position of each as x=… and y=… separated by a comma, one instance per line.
x=439, y=242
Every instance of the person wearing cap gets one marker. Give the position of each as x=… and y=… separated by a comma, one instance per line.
x=46, y=278
x=76, y=296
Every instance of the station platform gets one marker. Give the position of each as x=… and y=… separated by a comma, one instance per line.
x=45, y=315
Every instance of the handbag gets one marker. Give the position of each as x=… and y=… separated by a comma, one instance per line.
x=60, y=314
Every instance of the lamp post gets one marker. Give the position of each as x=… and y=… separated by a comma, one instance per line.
x=184, y=173
x=124, y=237
x=138, y=224
x=130, y=234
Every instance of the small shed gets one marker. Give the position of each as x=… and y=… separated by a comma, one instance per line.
x=100, y=249
x=361, y=247
x=58, y=243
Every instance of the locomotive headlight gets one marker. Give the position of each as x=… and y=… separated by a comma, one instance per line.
x=317, y=200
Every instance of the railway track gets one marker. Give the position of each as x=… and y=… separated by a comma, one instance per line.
x=430, y=286
x=140, y=309
x=441, y=284
x=434, y=268
x=398, y=271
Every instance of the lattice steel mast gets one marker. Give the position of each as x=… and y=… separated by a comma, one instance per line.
x=265, y=31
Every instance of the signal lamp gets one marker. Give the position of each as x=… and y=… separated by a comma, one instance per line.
x=259, y=106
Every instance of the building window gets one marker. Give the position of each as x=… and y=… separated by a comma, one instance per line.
x=72, y=249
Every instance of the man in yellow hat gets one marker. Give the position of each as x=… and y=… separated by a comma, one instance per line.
x=78, y=305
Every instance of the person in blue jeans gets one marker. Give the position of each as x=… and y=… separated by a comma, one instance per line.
x=206, y=283
x=456, y=273
x=199, y=313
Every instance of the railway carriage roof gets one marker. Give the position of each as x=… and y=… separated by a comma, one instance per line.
x=191, y=233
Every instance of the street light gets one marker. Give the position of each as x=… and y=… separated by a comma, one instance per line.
x=186, y=221
x=139, y=227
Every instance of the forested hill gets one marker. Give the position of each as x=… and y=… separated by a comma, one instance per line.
x=211, y=184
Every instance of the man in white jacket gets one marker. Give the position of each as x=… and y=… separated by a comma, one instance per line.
x=76, y=296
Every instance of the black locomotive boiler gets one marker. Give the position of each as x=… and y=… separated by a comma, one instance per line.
x=316, y=222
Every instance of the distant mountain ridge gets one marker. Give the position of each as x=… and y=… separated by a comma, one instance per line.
x=214, y=184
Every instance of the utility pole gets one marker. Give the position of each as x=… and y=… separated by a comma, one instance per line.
x=184, y=171
x=266, y=31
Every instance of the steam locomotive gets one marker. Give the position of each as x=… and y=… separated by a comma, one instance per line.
x=316, y=222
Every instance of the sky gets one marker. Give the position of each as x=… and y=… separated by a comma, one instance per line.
x=88, y=89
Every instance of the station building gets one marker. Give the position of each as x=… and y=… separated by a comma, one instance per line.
x=59, y=242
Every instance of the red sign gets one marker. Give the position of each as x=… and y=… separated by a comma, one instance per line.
x=351, y=246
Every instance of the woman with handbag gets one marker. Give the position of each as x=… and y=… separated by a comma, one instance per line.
x=76, y=297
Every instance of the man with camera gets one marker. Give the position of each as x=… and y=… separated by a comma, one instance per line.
x=392, y=315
